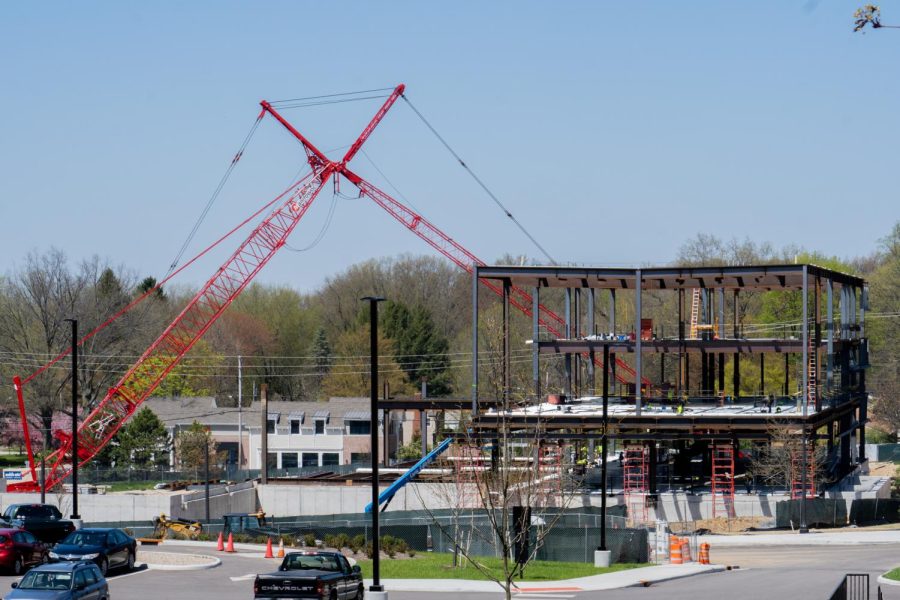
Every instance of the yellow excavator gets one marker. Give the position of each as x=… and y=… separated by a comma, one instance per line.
x=163, y=525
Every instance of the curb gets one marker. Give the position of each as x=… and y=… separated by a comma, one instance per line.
x=211, y=562
x=674, y=576
x=885, y=581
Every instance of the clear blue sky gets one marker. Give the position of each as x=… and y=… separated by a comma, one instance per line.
x=612, y=130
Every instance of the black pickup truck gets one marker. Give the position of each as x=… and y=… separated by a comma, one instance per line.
x=312, y=575
x=43, y=521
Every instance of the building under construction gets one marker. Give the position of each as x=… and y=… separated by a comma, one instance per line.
x=686, y=411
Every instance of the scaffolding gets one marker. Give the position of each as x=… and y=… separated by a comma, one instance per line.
x=549, y=475
x=636, y=480
x=468, y=463
x=722, y=483
x=803, y=455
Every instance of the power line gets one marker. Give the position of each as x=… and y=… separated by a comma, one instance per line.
x=479, y=181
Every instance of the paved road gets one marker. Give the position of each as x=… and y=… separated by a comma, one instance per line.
x=769, y=573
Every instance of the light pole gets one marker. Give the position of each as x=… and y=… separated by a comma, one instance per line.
x=376, y=590
x=602, y=555
x=75, y=516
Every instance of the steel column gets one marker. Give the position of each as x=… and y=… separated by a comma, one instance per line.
x=637, y=344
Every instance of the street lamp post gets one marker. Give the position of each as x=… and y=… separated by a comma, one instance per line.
x=376, y=590
x=602, y=554
x=75, y=516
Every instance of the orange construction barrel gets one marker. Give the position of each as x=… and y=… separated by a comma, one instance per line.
x=686, y=549
x=675, y=551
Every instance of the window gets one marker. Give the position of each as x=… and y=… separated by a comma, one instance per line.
x=310, y=459
x=81, y=578
x=90, y=576
x=270, y=425
x=320, y=426
x=360, y=457
x=359, y=427
x=272, y=460
x=295, y=426
x=330, y=458
x=288, y=460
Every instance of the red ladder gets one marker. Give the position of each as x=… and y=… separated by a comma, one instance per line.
x=468, y=464
x=811, y=374
x=797, y=486
x=634, y=469
x=722, y=458
x=549, y=472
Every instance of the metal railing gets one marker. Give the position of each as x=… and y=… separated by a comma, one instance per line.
x=854, y=586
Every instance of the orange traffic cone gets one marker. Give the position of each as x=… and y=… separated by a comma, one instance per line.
x=280, y=548
x=220, y=546
x=269, y=548
x=230, y=546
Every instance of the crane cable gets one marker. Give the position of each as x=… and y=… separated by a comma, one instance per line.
x=479, y=182
x=215, y=195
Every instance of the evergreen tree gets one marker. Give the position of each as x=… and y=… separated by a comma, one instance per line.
x=142, y=442
x=321, y=352
x=421, y=350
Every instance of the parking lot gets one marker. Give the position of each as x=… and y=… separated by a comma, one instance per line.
x=808, y=572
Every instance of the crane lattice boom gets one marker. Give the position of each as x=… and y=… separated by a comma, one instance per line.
x=198, y=316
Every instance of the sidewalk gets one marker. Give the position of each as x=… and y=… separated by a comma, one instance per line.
x=813, y=538
x=609, y=581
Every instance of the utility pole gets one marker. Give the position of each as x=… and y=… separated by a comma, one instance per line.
x=240, y=459
x=206, y=474
x=264, y=438
x=376, y=590
x=75, y=516
x=423, y=420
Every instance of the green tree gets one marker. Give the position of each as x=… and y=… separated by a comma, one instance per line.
x=321, y=357
x=421, y=350
x=191, y=446
x=143, y=442
x=350, y=375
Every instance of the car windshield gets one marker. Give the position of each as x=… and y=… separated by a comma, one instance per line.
x=46, y=580
x=85, y=538
x=324, y=563
x=39, y=512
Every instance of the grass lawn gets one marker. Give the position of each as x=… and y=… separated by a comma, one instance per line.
x=126, y=486
x=12, y=460
x=433, y=565
x=893, y=574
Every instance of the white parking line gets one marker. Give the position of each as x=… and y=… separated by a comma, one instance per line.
x=138, y=570
x=243, y=577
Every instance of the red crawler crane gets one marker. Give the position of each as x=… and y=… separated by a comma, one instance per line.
x=219, y=292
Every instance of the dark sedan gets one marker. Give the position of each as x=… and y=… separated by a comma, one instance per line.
x=20, y=550
x=108, y=548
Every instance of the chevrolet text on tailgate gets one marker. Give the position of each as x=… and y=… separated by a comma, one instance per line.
x=311, y=575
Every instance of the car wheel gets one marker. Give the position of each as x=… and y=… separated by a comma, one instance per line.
x=130, y=565
x=18, y=566
x=104, y=566
x=360, y=592
x=333, y=595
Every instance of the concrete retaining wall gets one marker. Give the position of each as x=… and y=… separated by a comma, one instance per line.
x=100, y=508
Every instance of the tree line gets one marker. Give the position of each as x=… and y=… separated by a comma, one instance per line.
x=316, y=345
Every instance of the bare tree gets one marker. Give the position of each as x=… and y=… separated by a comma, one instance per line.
x=33, y=329
x=502, y=501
